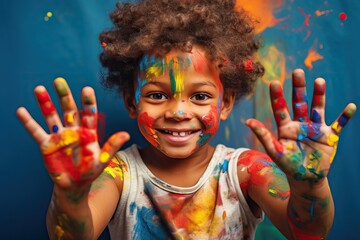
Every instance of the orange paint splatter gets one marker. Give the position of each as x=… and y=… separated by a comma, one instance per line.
x=319, y=13
x=312, y=56
x=261, y=10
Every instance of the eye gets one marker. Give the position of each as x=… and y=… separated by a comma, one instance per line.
x=200, y=97
x=157, y=96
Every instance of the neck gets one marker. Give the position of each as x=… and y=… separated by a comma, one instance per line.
x=178, y=171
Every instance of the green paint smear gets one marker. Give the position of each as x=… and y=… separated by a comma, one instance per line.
x=76, y=197
x=203, y=139
x=71, y=225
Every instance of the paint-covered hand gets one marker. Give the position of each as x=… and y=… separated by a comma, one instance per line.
x=305, y=146
x=71, y=151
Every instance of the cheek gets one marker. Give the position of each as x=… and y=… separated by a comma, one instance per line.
x=211, y=120
x=146, y=126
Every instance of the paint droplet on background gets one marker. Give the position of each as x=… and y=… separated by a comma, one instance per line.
x=342, y=16
x=48, y=16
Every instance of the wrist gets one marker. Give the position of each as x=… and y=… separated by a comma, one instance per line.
x=304, y=185
x=71, y=196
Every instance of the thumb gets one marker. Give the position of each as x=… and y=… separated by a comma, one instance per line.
x=112, y=145
x=272, y=146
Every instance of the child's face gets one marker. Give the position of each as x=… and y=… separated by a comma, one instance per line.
x=178, y=101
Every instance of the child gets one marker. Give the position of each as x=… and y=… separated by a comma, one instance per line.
x=180, y=66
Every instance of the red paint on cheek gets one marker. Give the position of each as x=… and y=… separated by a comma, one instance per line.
x=145, y=120
x=146, y=124
x=46, y=105
x=211, y=120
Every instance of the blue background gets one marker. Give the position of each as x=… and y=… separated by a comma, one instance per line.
x=36, y=49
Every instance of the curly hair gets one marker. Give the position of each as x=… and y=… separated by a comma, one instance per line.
x=226, y=34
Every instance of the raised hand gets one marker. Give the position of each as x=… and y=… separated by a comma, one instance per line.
x=305, y=146
x=71, y=151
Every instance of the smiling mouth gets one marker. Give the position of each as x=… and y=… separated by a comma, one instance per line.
x=178, y=133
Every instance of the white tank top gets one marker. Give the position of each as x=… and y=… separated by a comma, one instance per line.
x=214, y=208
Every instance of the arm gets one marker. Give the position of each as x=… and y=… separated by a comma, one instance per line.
x=266, y=188
x=303, y=151
x=84, y=214
x=82, y=202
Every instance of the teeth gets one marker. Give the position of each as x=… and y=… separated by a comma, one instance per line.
x=181, y=134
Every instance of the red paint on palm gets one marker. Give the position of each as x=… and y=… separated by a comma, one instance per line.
x=62, y=155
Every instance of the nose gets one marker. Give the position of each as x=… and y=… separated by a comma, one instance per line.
x=178, y=112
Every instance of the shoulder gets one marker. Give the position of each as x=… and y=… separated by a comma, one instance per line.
x=251, y=168
x=249, y=163
x=257, y=173
x=248, y=157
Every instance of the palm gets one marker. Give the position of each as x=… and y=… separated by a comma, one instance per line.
x=71, y=151
x=308, y=158
x=306, y=146
x=71, y=156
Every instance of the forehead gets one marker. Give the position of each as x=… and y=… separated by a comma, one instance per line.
x=175, y=60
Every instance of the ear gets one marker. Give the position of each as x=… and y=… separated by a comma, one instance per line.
x=130, y=104
x=227, y=106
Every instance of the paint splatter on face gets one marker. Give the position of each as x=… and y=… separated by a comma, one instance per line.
x=146, y=126
x=211, y=123
x=178, y=99
x=155, y=67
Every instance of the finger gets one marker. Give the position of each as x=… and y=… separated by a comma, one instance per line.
x=318, y=101
x=278, y=103
x=299, y=100
x=48, y=109
x=67, y=103
x=89, y=112
x=344, y=118
x=272, y=146
x=35, y=130
x=112, y=145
